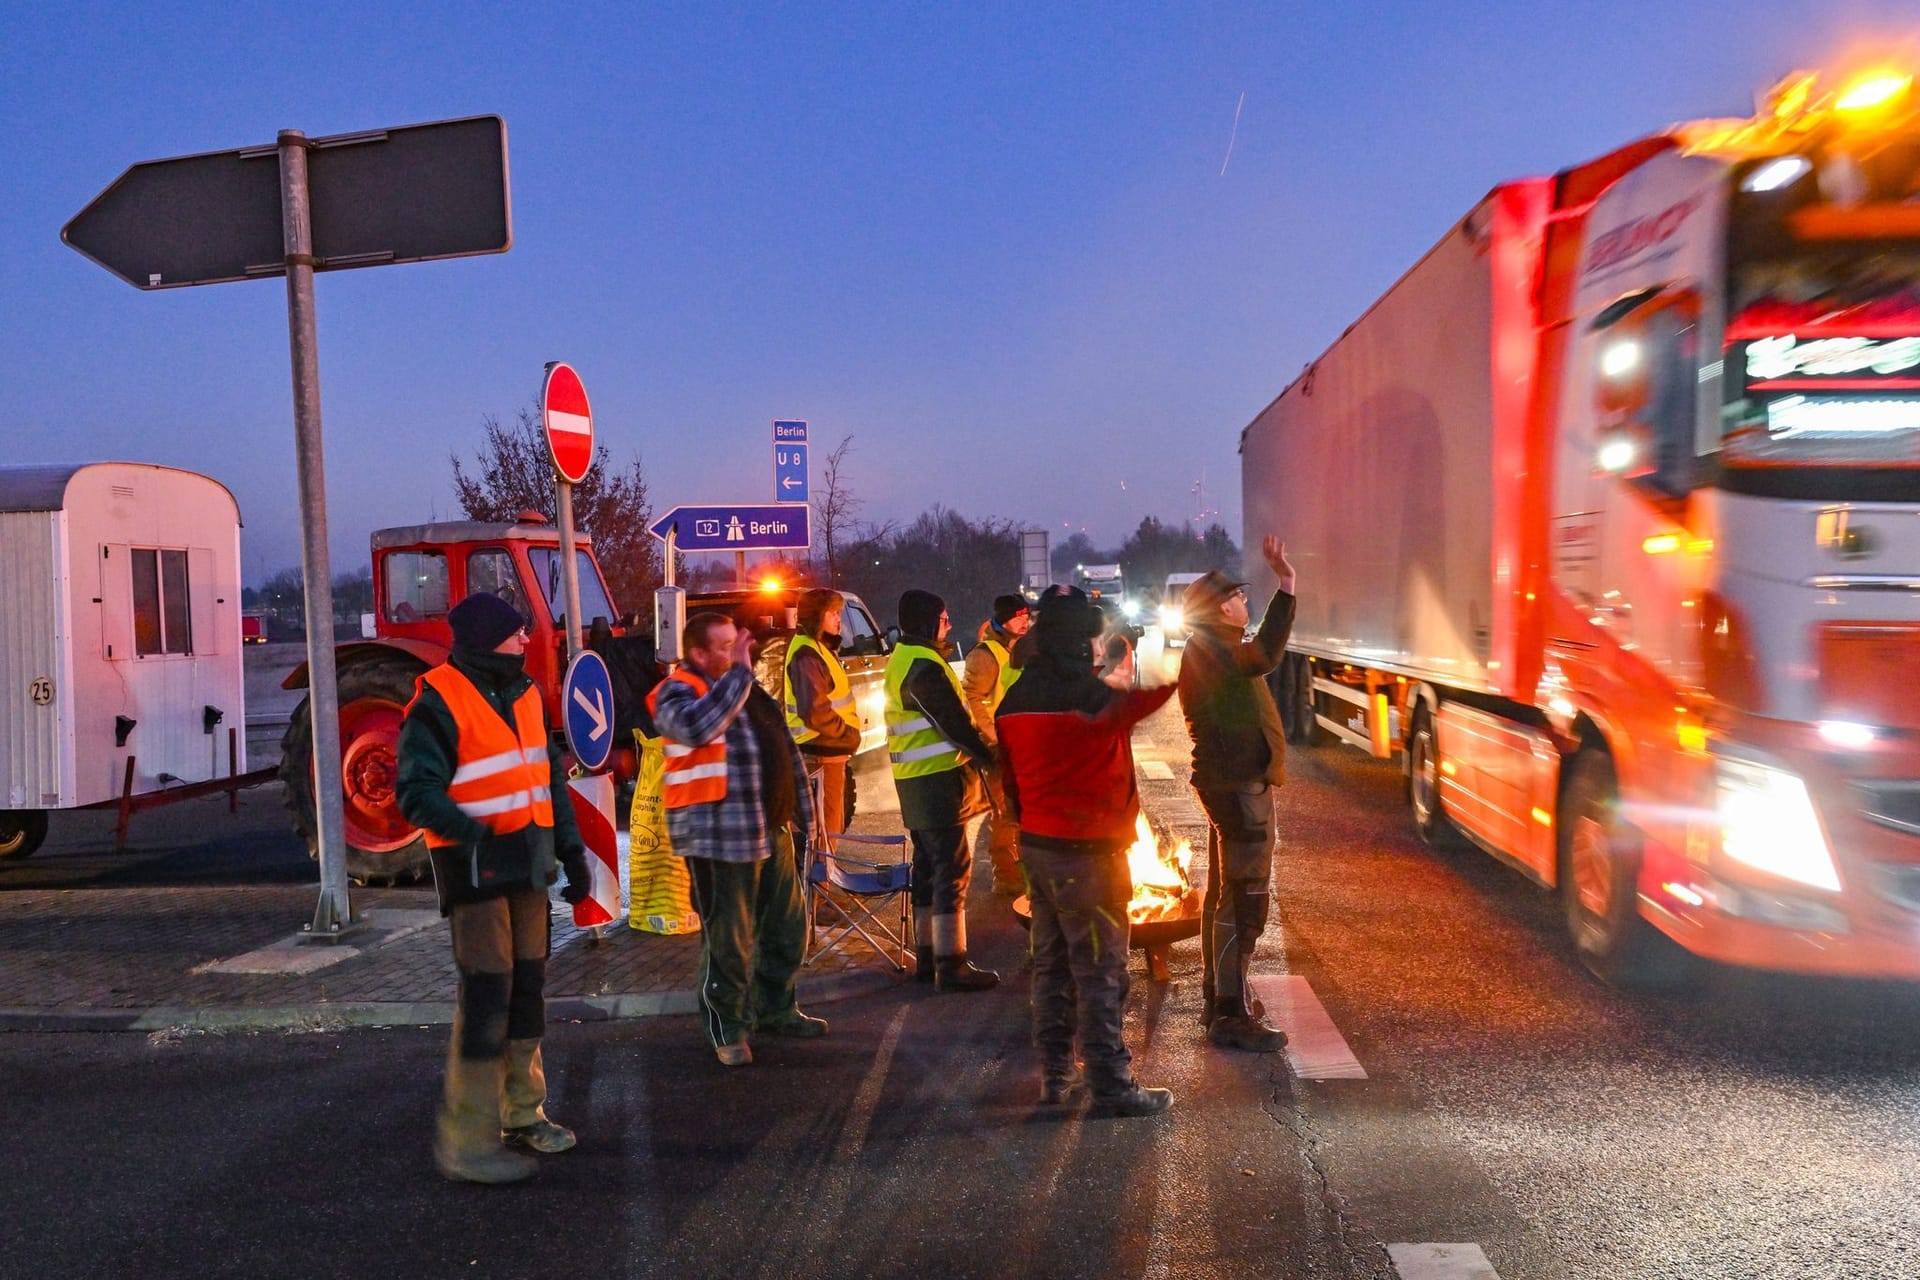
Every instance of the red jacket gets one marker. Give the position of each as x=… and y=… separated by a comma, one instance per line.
x=1066, y=753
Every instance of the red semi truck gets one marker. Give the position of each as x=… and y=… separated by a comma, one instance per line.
x=1608, y=516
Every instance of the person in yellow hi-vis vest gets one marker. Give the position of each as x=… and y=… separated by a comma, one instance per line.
x=938, y=759
x=819, y=702
x=989, y=673
x=479, y=773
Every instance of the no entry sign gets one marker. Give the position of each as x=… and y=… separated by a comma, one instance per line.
x=569, y=422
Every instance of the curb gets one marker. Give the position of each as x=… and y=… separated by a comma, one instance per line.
x=337, y=1017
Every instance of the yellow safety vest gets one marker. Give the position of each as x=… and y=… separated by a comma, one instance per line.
x=839, y=692
x=501, y=772
x=915, y=747
x=1008, y=672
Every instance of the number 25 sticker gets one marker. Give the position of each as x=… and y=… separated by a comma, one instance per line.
x=41, y=691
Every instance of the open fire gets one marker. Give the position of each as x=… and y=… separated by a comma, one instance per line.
x=1161, y=888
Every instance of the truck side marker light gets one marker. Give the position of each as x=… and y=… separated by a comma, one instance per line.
x=1683, y=893
x=1847, y=735
x=1660, y=544
x=1447, y=767
x=1542, y=817
x=1690, y=735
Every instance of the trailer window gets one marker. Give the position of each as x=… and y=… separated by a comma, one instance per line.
x=416, y=585
x=162, y=618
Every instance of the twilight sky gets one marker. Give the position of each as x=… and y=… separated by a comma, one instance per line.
x=992, y=242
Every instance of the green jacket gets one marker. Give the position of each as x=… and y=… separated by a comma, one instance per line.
x=428, y=755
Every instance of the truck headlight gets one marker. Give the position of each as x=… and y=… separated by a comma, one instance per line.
x=1130, y=609
x=1169, y=615
x=1768, y=823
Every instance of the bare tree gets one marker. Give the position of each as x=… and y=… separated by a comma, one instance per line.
x=513, y=473
x=836, y=507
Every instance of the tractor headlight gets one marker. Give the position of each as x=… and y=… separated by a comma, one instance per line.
x=1767, y=822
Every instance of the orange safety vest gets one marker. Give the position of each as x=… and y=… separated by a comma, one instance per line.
x=502, y=773
x=693, y=775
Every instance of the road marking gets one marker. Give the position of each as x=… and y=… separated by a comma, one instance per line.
x=1315, y=1046
x=1158, y=770
x=1441, y=1262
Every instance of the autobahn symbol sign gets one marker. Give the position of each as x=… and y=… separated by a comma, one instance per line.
x=762, y=528
x=569, y=422
x=586, y=698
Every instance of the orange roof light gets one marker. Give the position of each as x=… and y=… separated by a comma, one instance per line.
x=770, y=584
x=1873, y=91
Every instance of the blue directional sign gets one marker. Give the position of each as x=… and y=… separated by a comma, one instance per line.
x=586, y=700
x=768, y=528
x=789, y=473
x=787, y=431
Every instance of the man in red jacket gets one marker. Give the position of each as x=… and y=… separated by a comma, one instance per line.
x=1066, y=752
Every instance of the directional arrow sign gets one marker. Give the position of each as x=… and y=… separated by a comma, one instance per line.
x=769, y=528
x=586, y=698
x=789, y=473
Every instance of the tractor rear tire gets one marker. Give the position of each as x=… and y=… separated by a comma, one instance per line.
x=383, y=848
x=21, y=832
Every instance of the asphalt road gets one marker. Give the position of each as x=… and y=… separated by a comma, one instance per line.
x=1747, y=1126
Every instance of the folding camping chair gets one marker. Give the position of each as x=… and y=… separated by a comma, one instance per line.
x=852, y=897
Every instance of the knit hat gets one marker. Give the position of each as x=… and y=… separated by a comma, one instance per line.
x=1206, y=594
x=483, y=621
x=920, y=614
x=1068, y=623
x=1007, y=608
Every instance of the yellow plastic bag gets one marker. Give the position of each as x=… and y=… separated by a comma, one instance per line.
x=661, y=894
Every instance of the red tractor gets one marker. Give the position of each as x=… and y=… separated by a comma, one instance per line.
x=419, y=572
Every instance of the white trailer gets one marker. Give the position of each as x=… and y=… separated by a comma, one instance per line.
x=120, y=653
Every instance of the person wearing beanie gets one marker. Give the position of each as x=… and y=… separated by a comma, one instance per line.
x=479, y=772
x=821, y=711
x=988, y=674
x=1239, y=755
x=938, y=758
x=1066, y=761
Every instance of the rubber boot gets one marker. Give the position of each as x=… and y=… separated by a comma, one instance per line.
x=523, y=1117
x=466, y=1144
x=953, y=973
x=923, y=964
x=923, y=946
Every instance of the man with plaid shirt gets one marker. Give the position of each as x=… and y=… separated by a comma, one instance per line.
x=736, y=797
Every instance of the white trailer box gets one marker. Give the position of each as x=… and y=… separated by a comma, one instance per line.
x=1376, y=468
x=119, y=632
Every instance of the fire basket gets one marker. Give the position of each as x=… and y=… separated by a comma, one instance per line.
x=1165, y=906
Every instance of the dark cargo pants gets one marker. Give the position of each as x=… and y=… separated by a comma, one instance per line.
x=1239, y=871
x=753, y=935
x=1079, y=943
x=942, y=869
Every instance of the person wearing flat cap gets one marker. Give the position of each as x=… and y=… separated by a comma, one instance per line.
x=1239, y=756
x=937, y=758
x=989, y=672
x=480, y=774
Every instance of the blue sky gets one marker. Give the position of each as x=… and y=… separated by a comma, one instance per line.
x=992, y=242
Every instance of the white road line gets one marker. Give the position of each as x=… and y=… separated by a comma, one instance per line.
x=1315, y=1046
x=1441, y=1262
x=1158, y=770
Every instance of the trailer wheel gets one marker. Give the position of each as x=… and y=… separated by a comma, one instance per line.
x=1423, y=785
x=1599, y=856
x=21, y=831
x=382, y=846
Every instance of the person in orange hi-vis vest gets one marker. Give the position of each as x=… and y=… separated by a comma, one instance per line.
x=479, y=772
x=737, y=801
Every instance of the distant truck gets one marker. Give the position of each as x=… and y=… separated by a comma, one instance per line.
x=419, y=573
x=1605, y=516
x=253, y=628
x=119, y=640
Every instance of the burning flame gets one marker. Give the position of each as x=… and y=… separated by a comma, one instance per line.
x=1161, y=888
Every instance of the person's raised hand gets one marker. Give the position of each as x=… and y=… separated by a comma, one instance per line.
x=1274, y=552
x=743, y=648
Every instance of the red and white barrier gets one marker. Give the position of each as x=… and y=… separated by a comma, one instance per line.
x=593, y=810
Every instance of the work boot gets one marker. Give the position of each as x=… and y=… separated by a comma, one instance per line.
x=523, y=1097
x=795, y=1025
x=1234, y=1028
x=736, y=1054
x=1134, y=1100
x=1059, y=1085
x=543, y=1136
x=466, y=1142
x=953, y=973
x=923, y=964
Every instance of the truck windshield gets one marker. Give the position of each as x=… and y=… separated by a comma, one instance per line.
x=593, y=593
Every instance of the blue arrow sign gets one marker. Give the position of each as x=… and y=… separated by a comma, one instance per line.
x=768, y=528
x=789, y=473
x=586, y=700
x=789, y=432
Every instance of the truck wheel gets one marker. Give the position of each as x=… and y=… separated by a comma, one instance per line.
x=21, y=831
x=1423, y=785
x=1599, y=879
x=382, y=846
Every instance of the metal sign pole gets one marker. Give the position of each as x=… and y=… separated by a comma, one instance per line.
x=569, y=570
x=334, y=912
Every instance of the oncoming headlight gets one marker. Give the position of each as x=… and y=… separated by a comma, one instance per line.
x=1130, y=608
x=1169, y=615
x=1767, y=822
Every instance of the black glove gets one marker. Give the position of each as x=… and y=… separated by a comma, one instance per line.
x=579, y=881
